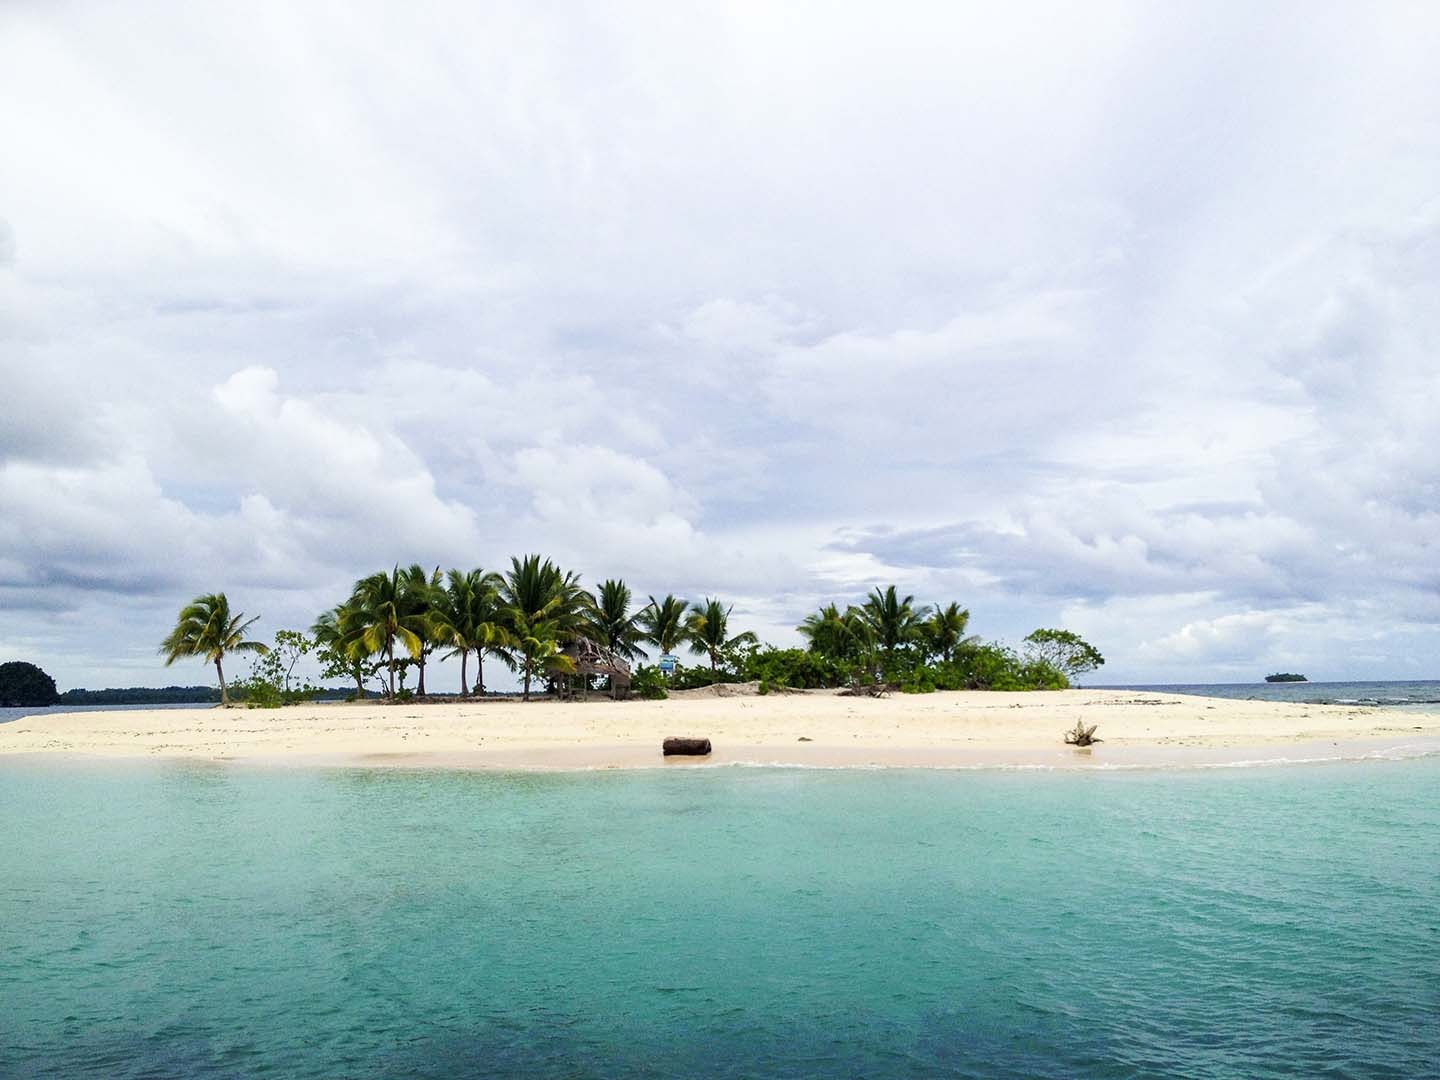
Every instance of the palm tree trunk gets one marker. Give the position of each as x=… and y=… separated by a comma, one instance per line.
x=390, y=656
x=480, y=672
x=359, y=687
x=420, y=686
x=526, y=695
x=464, y=673
x=224, y=695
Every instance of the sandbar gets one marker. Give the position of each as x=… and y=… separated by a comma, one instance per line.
x=820, y=729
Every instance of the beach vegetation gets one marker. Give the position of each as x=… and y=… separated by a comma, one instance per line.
x=205, y=628
x=544, y=607
x=614, y=623
x=340, y=652
x=663, y=623
x=707, y=627
x=1063, y=650
x=465, y=615
x=648, y=681
x=384, y=612
x=23, y=684
x=271, y=681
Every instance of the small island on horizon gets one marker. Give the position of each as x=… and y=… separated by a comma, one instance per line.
x=1285, y=676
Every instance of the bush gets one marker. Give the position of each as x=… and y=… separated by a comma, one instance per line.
x=797, y=669
x=648, y=682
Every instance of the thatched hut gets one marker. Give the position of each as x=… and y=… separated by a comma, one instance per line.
x=592, y=658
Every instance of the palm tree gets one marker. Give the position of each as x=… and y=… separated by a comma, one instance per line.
x=419, y=589
x=706, y=627
x=329, y=633
x=205, y=628
x=613, y=624
x=543, y=609
x=944, y=630
x=464, y=614
x=837, y=636
x=380, y=612
x=893, y=621
x=664, y=622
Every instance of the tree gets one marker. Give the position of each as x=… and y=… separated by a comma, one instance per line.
x=893, y=621
x=379, y=613
x=418, y=590
x=465, y=614
x=1066, y=652
x=543, y=608
x=613, y=624
x=205, y=628
x=706, y=628
x=944, y=630
x=663, y=622
x=836, y=636
x=340, y=651
x=24, y=684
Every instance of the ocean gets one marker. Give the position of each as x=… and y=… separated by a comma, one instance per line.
x=194, y=920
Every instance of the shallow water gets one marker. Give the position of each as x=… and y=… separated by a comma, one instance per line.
x=195, y=920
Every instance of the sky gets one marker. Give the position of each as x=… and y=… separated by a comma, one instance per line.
x=1121, y=318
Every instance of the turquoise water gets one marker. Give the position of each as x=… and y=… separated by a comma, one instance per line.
x=192, y=920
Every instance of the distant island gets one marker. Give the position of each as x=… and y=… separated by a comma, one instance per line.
x=1285, y=676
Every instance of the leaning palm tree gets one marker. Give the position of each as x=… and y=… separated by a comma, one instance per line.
x=380, y=613
x=944, y=630
x=543, y=609
x=706, y=628
x=205, y=628
x=613, y=624
x=663, y=622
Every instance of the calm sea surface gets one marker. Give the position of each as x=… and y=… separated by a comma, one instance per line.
x=17, y=713
x=1418, y=693
x=195, y=920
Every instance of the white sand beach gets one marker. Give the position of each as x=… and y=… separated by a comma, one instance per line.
x=816, y=728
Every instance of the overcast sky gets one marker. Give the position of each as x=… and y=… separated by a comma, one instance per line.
x=1122, y=318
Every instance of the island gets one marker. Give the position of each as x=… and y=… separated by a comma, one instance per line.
x=1285, y=676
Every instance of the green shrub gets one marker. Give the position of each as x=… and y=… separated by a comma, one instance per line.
x=648, y=682
x=797, y=669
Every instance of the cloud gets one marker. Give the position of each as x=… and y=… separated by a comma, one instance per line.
x=1108, y=319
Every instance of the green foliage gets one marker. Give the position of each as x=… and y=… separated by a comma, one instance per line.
x=1064, y=651
x=205, y=628
x=663, y=622
x=270, y=682
x=708, y=627
x=648, y=681
x=613, y=624
x=24, y=684
x=544, y=608
x=798, y=669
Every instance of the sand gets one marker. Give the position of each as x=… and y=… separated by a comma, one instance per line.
x=820, y=729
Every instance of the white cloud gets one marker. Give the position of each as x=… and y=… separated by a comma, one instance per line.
x=1114, y=317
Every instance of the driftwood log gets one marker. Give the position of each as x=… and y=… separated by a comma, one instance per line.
x=870, y=690
x=688, y=747
x=1081, y=734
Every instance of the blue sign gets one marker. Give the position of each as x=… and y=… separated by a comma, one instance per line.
x=668, y=663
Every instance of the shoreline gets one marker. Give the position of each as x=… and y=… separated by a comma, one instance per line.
x=947, y=730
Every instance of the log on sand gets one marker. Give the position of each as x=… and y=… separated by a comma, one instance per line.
x=688, y=747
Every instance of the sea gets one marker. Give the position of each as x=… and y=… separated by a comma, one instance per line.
x=186, y=919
